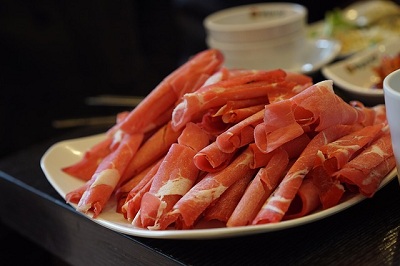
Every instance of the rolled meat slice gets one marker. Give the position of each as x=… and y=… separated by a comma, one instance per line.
x=108, y=174
x=305, y=201
x=217, y=94
x=310, y=110
x=367, y=170
x=190, y=207
x=260, y=188
x=336, y=154
x=174, y=178
x=278, y=203
x=212, y=159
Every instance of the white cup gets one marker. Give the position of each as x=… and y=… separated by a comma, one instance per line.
x=259, y=36
x=257, y=22
x=391, y=89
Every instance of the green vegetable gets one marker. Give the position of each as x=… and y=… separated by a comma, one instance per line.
x=334, y=22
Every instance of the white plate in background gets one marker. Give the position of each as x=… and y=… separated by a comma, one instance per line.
x=356, y=73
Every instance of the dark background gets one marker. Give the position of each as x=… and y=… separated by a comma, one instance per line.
x=54, y=54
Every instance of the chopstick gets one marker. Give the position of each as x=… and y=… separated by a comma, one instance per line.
x=100, y=100
x=114, y=100
x=86, y=121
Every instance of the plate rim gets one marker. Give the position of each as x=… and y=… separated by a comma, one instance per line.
x=123, y=226
x=349, y=87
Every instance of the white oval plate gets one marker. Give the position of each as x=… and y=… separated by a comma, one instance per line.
x=67, y=152
x=355, y=74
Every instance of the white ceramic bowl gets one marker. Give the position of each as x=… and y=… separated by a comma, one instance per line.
x=356, y=76
x=391, y=87
x=256, y=22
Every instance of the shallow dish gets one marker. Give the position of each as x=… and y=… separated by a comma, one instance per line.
x=311, y=57
x=356, y=75
x=316, y=54
x=66, y=152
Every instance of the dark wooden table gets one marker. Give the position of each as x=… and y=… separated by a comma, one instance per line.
x=365, y=234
